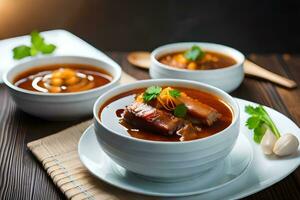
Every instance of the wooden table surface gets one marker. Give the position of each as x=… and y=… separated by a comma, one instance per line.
x=22, y=177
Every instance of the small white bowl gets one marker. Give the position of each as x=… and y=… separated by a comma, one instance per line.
x=166, y=161
x=227, y=79
x=59, y=106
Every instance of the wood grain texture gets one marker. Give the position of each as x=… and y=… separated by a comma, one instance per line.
x=22, y=177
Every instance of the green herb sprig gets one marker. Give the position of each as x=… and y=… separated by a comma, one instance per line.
x=38, y=45
x=259, y=121
x=194, y=53
x=180, y=111
x=174, y=93
x=151, y=93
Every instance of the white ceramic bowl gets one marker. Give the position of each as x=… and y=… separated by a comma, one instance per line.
x=166, y=160
x=60, y=106
x=227, y=79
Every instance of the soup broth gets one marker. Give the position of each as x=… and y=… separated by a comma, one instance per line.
x=115, y=111
x=210, y=60
x=62, y=78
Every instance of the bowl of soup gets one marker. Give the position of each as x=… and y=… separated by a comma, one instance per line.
x=60, y=87
x=217, y=65
x=166, y=129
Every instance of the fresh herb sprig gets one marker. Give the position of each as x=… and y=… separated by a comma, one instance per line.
x=38, y=45
x=180, y=111
x=174, y=93
x=259, y=121
x=151, y=93
x=194, y=53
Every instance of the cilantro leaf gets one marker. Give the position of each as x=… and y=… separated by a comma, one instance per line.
x=21, y=51
x=194, y=53
x=180, y=111
x=151, y=93
x=259, y=121
x=259, y=132
x=253, y=122
x=174, y=93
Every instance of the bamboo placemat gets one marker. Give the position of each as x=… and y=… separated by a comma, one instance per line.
x=59, y=157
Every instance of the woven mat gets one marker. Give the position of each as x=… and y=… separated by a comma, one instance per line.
x=59, y=157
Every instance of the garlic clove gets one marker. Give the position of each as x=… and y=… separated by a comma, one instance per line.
x=267, y=142
x=286, y=145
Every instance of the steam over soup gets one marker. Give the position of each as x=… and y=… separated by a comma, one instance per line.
x=197, y=59
x=166, y=114
x=62, y=78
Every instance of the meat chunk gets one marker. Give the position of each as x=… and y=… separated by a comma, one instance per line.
x=146, y=117
x=204, y=113
x=188, y=132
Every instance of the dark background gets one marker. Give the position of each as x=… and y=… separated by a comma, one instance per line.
x=257, y=26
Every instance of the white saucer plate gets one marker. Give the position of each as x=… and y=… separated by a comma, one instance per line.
x=237, y=177
x=99, y=164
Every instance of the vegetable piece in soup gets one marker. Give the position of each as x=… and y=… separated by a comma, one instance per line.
x=62, y=78
x=197, y=59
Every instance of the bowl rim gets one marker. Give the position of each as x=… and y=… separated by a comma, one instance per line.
x=96, y=108
x=114, y=80
x=158, y=50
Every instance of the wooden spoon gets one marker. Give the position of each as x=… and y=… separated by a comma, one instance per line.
x=142, y=59
x=253, y=69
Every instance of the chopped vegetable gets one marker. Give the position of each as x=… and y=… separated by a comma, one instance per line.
x=194, y=53
x=168, y=98
x=38, y=45
x=180, y=111
x=151, y=93
x=174, y=93
x=258, y=121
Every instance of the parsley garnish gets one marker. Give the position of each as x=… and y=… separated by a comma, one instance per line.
x=259, y=121
x=38, y=45
x=180, y=111
x=174, y=93
x=194, y=53
x=151, y=93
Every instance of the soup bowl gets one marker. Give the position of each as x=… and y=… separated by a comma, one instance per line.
x=59, y=106
x=163, y=160
x=227, y=78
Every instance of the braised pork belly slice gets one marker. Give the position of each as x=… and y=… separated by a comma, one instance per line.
x=146, y=117
x=200, y=111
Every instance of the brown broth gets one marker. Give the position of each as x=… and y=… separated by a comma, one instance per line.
x=211, y=60
x=204, y=97
x=95, y=77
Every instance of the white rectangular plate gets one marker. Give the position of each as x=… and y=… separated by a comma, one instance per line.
x=66, y=42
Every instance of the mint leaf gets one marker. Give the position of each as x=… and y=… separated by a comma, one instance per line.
x=33, y=51
x=151, y=93
x=180, y=111
x=47, y=48
x=21, y=51
x=174, y=93
x=38, y=45
x=194, y=53
x=37, y=40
